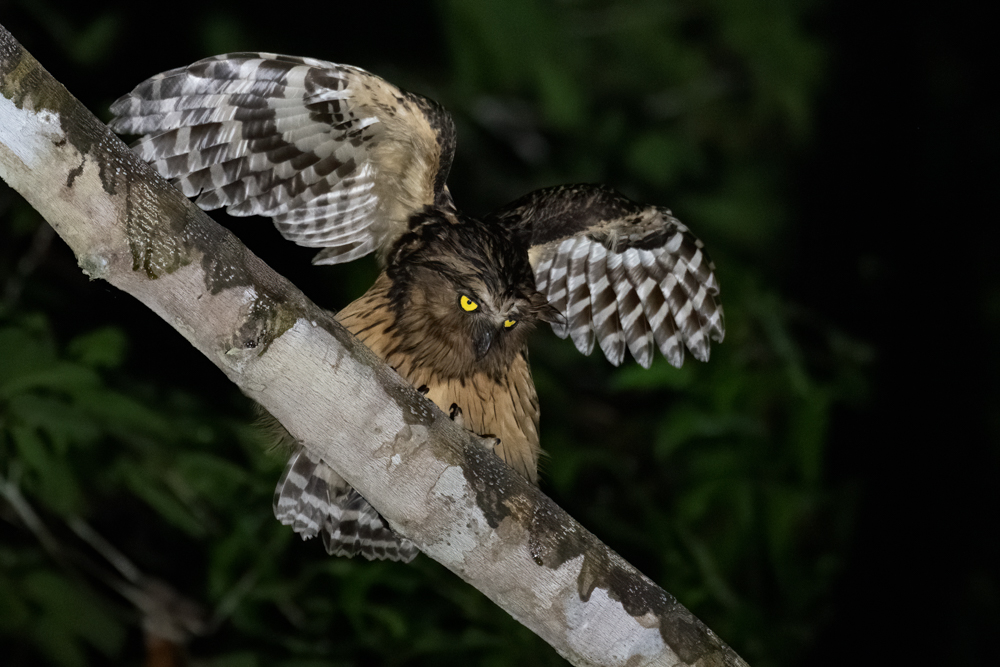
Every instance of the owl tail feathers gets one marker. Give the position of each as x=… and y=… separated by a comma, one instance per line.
x=313, y=499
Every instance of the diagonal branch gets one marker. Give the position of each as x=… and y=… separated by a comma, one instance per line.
x=428, y=477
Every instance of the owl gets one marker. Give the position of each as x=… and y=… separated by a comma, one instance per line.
x=341, y=160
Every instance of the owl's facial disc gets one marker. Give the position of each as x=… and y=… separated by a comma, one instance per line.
x=487, y=318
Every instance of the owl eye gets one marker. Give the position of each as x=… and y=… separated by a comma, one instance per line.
x=468, y=305
x=509, y=324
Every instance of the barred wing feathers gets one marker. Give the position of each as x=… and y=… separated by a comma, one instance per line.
x=620, y=273
x=339, y=158
x=315, y=500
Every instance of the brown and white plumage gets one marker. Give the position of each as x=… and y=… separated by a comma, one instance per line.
x=338, y=158
x=317, y=501
x=344, y=161
x=630, y=274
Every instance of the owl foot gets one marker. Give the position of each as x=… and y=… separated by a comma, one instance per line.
x=490, y=441
x=455, y=413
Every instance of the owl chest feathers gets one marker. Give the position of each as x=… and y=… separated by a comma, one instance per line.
x=493, y=395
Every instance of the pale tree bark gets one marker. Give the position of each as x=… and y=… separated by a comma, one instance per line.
x=428, y=477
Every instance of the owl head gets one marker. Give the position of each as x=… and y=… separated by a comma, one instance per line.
x=466, y=293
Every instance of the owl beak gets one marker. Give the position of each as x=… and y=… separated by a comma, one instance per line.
x=482, y=343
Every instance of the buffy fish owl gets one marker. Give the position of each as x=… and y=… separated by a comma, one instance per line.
x=341, y=160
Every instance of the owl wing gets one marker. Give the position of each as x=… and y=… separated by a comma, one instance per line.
x=626, y=274
x=315, y=500
x=337, y=157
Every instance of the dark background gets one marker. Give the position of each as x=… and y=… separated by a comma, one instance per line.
x=823, y=490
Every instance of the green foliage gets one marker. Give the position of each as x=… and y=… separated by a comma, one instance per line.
x=711, y=478
x=60, y=618
x=86, y=43
x=189, y=493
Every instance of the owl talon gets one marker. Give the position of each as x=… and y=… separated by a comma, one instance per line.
x=455, y=414
x=490, y=441
x=423, y=390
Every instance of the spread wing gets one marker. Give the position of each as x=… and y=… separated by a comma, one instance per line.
x=626, y=274
x=337, y=157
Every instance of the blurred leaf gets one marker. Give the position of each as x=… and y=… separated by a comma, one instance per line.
x=808, y=433
x=711, y=571
x=783, y=59
x=242, y=659
x=64, y=424
x=15, y=613
x=21, y=353
x=93, y=43
x=210, y=477
x=147, y=485
x=101, y=348
x=744, y=212
x=23, y=220
x=562, y=101
x=50, y=476
x=58, y=376
x=686, y=424
x=32, y=450
x=224, y=33
x=69, y=620
x=661, y=158
x=661, y=375
x=125, y=417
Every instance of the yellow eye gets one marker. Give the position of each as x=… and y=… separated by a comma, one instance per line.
x=468, y=305
x=507, y=324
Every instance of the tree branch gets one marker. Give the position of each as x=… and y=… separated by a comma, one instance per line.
x=428, y=477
